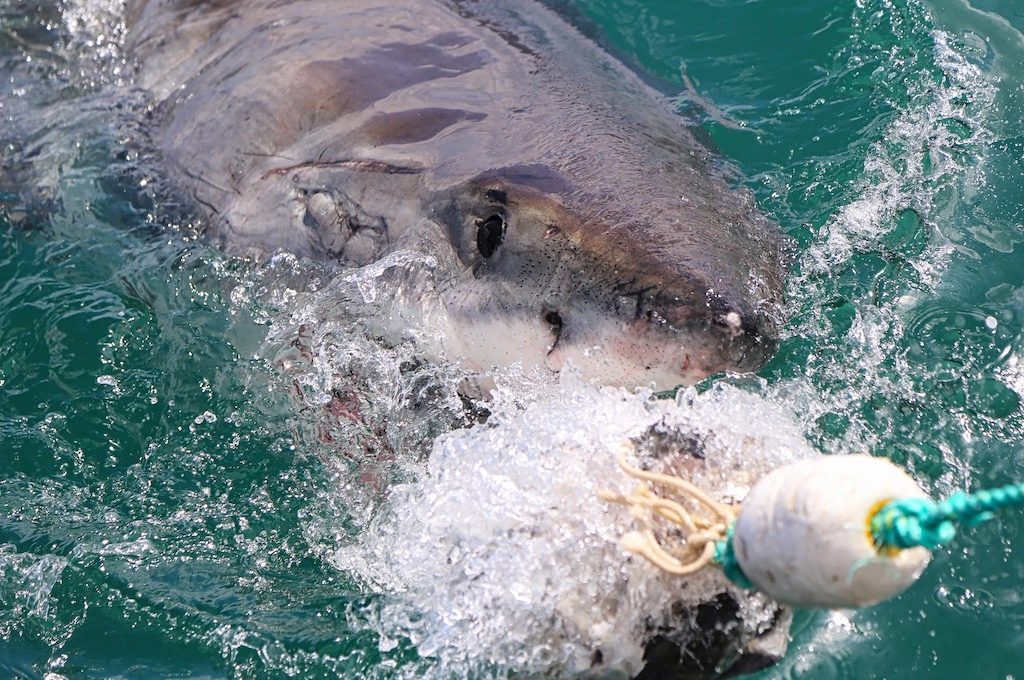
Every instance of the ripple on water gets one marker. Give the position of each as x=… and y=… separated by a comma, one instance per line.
x=211, y=469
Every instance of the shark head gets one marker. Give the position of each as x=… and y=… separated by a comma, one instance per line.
x=545, y=275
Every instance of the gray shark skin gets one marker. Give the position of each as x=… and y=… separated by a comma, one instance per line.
x=568, y=212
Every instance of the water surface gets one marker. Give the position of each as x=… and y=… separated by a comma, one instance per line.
x=196, y=452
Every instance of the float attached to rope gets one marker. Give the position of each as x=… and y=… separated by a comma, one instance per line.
x=829, y=532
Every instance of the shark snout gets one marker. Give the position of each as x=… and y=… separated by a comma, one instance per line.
x=733, y=335
x=667, y=340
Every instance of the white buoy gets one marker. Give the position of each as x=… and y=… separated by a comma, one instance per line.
x=803, y=533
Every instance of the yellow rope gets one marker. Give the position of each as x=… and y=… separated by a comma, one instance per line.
x=701, y=531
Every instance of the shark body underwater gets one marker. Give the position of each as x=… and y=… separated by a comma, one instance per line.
x=570, y=214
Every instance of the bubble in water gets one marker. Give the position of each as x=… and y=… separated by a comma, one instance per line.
x=205, y=417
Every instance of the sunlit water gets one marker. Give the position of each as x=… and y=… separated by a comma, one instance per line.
x=209, y=469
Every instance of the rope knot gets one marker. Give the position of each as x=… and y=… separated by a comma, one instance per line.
x=911, y=522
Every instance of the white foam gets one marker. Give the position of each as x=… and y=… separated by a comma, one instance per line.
x=501, y=555
x=915, y=157
x=96, y=31
x=26, y=580
x=927, y=161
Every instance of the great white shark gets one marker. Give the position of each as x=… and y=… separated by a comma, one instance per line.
x=570, y=213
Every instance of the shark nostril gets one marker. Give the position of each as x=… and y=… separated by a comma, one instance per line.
x=554, y=319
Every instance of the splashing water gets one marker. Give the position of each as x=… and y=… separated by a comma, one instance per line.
x=502, y=555
x=883, y=253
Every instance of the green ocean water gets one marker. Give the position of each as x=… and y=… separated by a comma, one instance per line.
x=171, y=504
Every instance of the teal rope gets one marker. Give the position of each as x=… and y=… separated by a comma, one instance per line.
x=911, y=522
x=725, y=556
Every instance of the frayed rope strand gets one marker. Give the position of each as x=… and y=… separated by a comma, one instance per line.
x=706, y=532
x=912, y=522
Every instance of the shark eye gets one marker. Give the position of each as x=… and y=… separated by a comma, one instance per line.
x=489, y=235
